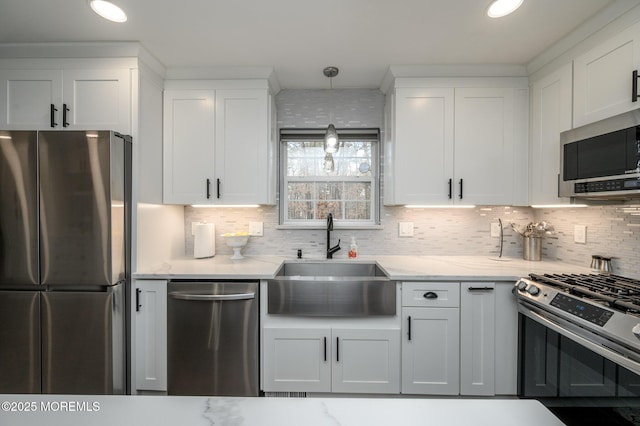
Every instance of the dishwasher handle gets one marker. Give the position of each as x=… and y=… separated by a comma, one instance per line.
x=212, y=297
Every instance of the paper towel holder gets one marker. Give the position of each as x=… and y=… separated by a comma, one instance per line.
x=204, y=240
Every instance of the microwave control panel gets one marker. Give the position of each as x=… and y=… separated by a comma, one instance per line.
x=607, y=185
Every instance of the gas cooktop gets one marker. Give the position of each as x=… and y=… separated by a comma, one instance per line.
x=617, y=292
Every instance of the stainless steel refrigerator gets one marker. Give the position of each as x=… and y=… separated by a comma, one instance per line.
x=64, y=261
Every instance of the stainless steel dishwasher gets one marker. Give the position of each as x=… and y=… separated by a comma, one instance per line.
x=212, y=338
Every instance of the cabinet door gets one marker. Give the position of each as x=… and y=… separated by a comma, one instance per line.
x=297, y=360
x=551, y=114
x=484, y=146
x=431, y=351
x=506, y=354
x=150, y=316
x=242, y=146
x=602, y=85
x=366, y=361
x=189, y=147
x=26, y=99
x=477, y=339
x=423, y=145
x=97, y=100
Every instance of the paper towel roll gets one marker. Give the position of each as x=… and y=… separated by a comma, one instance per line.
x=204, y=241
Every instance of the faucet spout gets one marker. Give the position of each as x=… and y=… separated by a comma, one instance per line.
x=331, y=250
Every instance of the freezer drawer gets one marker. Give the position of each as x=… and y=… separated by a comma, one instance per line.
x=19, y=342
x=212, y=338
x=83, y=342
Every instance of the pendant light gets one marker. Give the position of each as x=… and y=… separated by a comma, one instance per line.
x=331, y=143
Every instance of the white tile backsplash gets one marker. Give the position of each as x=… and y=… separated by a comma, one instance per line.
x=611, y=230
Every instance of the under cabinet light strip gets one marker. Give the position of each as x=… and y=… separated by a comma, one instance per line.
x=556, y=206
x=212, y=206
x=442, y=206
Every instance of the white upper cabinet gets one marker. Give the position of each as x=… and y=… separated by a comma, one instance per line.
x=189, y=150
x=484, y=146
x=242, y=146
x=423, y=154
x=603, y=85
x=456, y=145
x=218, y=146
x=66, y=99
x=97, y=99
x=550, y=115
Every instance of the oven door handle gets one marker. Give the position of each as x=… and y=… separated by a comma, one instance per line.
x=212, y=297
x=606, y=352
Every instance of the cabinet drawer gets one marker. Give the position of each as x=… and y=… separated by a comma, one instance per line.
x=431, y=294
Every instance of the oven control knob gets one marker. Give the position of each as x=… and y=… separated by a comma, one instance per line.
x=636, y=330
x=522, y=285
x=533, y=290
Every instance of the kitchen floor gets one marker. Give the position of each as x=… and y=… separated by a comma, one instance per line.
x=598, y=416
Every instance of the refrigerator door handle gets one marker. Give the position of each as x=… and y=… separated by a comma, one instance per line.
x=212, y=297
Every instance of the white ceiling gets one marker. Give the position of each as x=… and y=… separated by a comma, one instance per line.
x=298, y=38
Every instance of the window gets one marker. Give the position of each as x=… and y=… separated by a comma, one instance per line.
x=314, y=184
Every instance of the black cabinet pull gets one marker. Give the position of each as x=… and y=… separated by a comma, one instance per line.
x=53, y=115
x=430, y=295
x=634, y=86
x=450, y=188
x=325, y=349
x=337, y=349
x=208, y=189
x=138, y=305
x=480, y=289
x=65, y=110
x=409, y=327
x=461, y=189
x=218, y=187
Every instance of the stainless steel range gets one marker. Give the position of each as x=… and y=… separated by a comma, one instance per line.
x=598, y=311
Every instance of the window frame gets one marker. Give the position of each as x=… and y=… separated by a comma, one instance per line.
x=368, y=134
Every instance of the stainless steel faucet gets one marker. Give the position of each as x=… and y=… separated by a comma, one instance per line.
x=331, y=250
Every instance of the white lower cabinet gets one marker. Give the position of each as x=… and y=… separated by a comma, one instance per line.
x=297, y=359
x=477, y=338
x=430, y=338
x=366, y=361
x=150, y=340
x=331, y=360
x=431, y=351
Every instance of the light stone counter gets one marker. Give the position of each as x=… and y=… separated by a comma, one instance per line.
x=450, y=268
x=217, y=267
x=69, y=410
x=466, y=268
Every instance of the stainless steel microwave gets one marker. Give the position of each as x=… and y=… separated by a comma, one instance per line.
x=602, y=160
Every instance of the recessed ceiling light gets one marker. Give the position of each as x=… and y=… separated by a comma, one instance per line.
x=500, y=8
x=108, y=10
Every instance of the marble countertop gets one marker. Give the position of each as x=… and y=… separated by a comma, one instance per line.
x=70, y=410
x=451, y=268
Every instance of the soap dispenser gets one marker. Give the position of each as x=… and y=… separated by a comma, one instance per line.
x=353, y=249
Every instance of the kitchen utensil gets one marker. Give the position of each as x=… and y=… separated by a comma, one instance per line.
x=515, y=228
